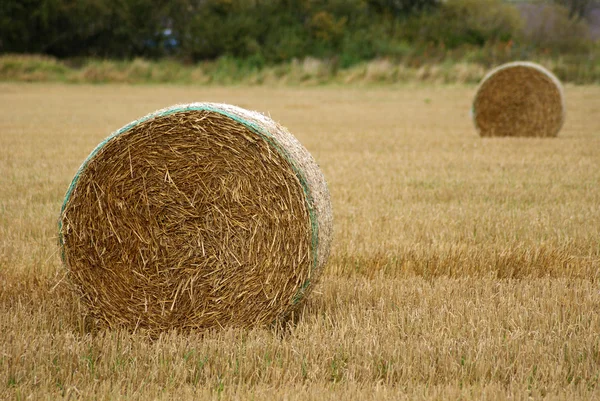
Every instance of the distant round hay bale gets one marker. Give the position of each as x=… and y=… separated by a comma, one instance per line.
x=519, y=99
x=196, y=216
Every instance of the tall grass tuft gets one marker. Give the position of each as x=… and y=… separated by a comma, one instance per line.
x=436, y=66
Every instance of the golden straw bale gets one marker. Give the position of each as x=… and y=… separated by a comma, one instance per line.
x=196, y=216
x=519, y=99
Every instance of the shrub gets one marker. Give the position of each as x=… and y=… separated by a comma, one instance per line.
x=551, y=28
x=469, y=22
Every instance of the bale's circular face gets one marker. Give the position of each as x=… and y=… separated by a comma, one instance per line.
x=197, y=216
x=519, y=99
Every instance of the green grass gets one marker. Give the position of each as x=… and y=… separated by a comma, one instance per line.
x=310, y=71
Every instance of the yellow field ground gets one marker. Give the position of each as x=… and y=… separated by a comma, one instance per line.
x=461, y=267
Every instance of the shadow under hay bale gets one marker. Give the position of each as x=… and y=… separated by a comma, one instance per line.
x=196, y=216
x=519, y=99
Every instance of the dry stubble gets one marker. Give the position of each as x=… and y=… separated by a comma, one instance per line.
x=461, y=266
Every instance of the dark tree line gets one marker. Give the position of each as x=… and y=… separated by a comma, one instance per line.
x=191, y=29
x=265, y=31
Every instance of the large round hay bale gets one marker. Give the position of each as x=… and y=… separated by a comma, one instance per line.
x=196, y=216
x=519, y=99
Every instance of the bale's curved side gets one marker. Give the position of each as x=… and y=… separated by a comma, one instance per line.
x=519, y=99
x=318, y=196
x=261, y=133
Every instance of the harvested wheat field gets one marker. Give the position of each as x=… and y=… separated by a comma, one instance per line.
x=461, y=267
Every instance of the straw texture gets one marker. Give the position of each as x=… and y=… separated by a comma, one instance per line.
x=519, y=99
x=196, y=216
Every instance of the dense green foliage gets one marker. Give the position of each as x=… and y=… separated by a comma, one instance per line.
x=268, y=32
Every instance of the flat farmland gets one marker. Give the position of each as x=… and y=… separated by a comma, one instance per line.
x=461, y=267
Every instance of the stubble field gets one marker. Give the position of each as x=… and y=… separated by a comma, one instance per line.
x=461, y=267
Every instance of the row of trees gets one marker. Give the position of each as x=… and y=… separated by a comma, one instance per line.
x=262, y=30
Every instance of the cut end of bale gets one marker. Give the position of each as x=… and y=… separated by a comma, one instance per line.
x=520, y=99
x=194, y=217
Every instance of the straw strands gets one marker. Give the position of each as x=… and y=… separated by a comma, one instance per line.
x=519, y=99
x=196, y=216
